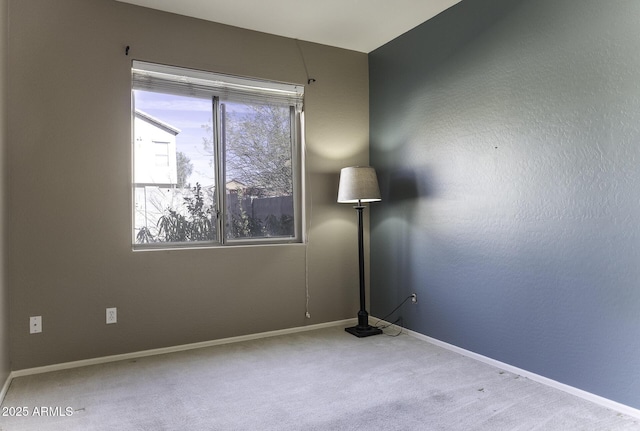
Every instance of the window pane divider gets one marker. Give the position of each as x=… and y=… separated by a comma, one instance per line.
x=220, y=194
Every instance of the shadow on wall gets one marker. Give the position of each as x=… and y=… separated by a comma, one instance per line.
x=403, y=189
x=405, y=185
x=393, y=239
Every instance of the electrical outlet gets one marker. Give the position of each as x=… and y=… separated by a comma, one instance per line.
x=112, y=315
x=35, y=324
x=414, y=298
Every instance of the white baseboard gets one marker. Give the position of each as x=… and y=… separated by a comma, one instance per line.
x=605, y=402
x=5, y=388
x=165, y=350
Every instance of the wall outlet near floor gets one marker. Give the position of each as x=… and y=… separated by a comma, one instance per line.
x=35, y=324
x=414, y=298
x=112, y=315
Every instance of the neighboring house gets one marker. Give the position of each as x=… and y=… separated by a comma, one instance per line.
x=155, y=168
x=155, y=152
x=235, y=186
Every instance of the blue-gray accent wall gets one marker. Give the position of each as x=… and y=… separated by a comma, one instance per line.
x=506, y=135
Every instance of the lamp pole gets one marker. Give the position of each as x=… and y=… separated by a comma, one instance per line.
x=363, y=329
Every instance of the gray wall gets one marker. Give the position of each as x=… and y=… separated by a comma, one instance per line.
x=506, y=133
x=69, y=158
x=4, y=289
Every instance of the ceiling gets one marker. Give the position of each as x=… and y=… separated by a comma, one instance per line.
x=358, y=25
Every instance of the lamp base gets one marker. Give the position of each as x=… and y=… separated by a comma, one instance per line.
x=361, y=331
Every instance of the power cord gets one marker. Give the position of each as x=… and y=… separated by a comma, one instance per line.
x=395, y=322
x=399, y=319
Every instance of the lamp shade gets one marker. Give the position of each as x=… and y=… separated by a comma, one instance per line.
x=358, y=184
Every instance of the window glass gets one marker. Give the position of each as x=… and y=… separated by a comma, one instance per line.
x=174, y=180
x=191, y=134
x=258, y=170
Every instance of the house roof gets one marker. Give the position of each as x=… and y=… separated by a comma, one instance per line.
x=157, y=122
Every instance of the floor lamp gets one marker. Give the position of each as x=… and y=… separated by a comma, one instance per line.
x=358, y=184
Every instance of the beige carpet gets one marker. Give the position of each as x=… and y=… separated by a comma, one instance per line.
x=317, y=380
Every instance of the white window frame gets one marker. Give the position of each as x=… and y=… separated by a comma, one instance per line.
x=189, y=82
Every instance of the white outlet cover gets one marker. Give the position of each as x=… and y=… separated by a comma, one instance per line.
x=112, y=315
x=35, y=324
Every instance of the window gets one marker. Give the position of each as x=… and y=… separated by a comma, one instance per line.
x=162, y=153
x=216, y=159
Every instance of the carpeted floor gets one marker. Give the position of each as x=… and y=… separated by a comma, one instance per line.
x=318, y=380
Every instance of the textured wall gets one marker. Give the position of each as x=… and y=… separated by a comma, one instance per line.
x=70, y=187
x=507, y=136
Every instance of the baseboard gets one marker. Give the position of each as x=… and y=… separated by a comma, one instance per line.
x=5, y=388
x=604, y=402
x=172, y=349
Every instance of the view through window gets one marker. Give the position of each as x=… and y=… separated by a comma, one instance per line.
x=215, y=162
